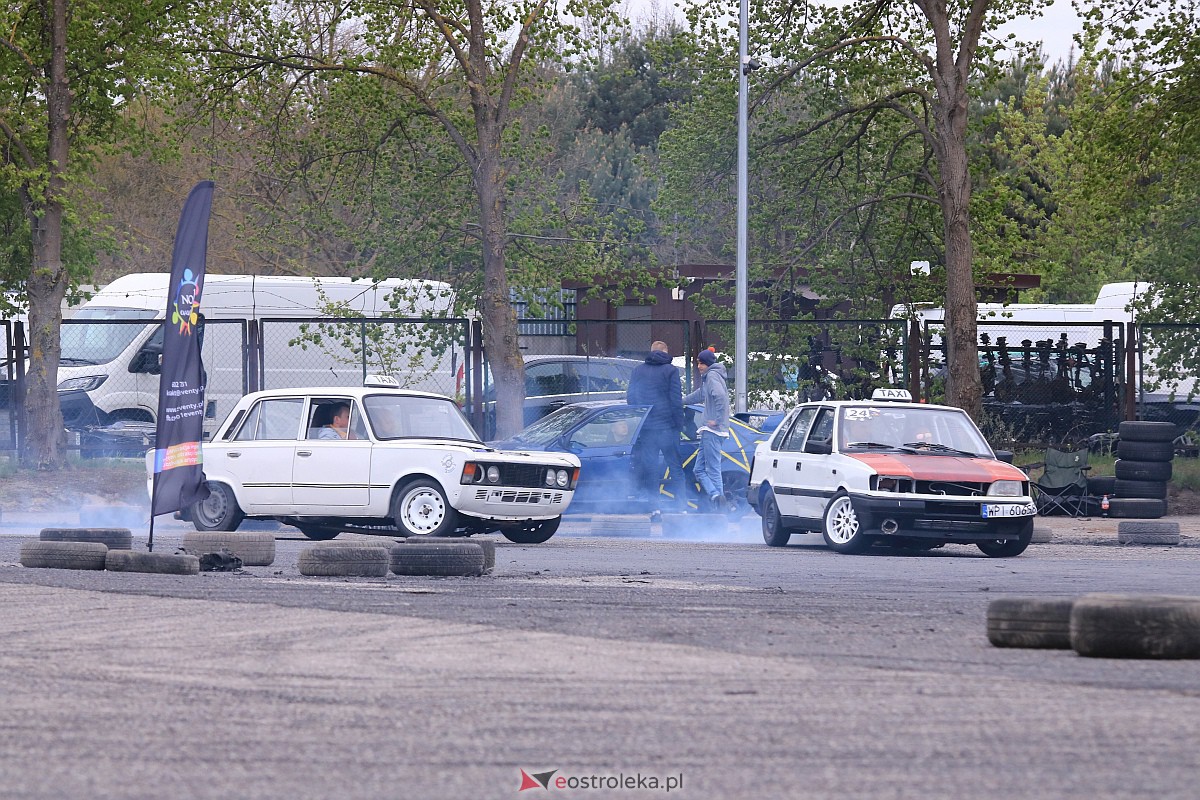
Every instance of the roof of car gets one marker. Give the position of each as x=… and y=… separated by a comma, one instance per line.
x=342, y=391
x=605, y=359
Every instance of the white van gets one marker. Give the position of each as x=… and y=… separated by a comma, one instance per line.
x=110, y=347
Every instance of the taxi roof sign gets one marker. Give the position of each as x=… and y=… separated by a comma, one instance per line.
x=383, y=381
x=894, y=395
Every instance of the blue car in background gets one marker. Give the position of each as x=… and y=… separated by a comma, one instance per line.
x=605, y=435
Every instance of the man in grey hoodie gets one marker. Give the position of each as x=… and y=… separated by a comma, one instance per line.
x=714, y=394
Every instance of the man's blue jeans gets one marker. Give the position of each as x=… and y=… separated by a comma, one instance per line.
x=708, y=463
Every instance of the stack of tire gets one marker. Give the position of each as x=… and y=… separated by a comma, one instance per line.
x=1143, y=468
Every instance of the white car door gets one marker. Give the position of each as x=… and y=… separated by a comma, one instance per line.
x=785, y=466
x=816, y=467
x=259, y=456
x=332, y=473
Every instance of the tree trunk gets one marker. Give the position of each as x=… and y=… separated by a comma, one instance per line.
x=47, y=284
x=963, y=386
x=500, y=334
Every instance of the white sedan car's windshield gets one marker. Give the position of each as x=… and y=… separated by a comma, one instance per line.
x=926, y=430
x=400, y=417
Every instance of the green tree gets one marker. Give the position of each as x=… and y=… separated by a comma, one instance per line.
x=886, y=85
x=66, y=69
x=461, y=68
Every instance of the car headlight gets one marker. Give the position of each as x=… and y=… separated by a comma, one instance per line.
x=82, y=384
x=550, y=477
x=493, y=474
x=562, y=478
x=892, y=483
x=1005, y=489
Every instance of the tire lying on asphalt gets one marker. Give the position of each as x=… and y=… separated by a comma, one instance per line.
x=1041, y=535
x=158, y=563
x=254, y=548
x=63, y=555
x=1127, y=470
x=363, y=562
x=1148, y=532
x=1143, y=431
x=1036, y=622
x=487, y=545
x=112, y=538
x=1153, y=490
x=1130, y=626
x=679, y=525
x=1136, y=508
x=446, y=560
x=621, y=525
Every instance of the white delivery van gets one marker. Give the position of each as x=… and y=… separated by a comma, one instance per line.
x=111, y=345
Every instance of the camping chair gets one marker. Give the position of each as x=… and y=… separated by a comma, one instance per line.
x=1063, y=488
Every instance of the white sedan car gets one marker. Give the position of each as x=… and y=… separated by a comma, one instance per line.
x=910, y=474
x=403, y=463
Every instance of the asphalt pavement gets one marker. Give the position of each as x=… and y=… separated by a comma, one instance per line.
x=710, y=659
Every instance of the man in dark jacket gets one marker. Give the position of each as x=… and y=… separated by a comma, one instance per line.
x=656, y=384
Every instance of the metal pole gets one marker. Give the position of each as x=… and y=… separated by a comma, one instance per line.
x=740, y=302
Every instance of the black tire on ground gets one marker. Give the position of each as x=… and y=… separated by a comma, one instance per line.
x=678, y=526
x=1153, y=490
x=535, y=532
x=1145, y=451
x=362, y=562
x=1136, y=508
x=112, y=538
x=63, y=555
x=1128, y=470
x=841, y=527
x=1146, y=626
x=1148, y=532
x=1030, y=622
x=1041, y=535
x=254, y=548
x=158, y=563
x=219, y=511
x=1142, y=431
x=487, y=545
x=618, y=525
x=774, y=532
x=1101, y=485
x=445, y=560
x=1008, y=548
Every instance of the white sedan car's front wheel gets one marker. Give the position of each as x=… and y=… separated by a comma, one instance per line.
x=421, y=509
x=842, y=529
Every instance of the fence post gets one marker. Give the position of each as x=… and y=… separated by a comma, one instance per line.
x=476, y=368
x=1131, y=373
x=912, y=359
x=251, y=362
x=17, y=396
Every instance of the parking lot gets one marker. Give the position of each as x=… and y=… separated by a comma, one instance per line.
x=741, y=669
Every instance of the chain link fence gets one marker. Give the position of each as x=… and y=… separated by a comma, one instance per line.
x=794, y=361
x=1043, y=383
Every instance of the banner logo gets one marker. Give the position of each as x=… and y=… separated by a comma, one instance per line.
x=185, y=309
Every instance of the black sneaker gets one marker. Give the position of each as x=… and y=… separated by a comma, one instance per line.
x=717, y=502
x=656, y=516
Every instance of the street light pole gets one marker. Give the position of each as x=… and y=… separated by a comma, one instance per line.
x=741, y=299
